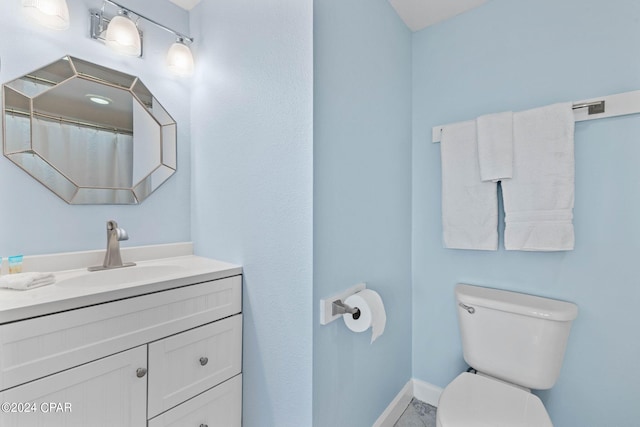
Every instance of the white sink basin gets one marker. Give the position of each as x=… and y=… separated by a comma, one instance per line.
x=121, y=276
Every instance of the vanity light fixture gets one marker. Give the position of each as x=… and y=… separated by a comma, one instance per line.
x=52, y=14
x=122, y=35
x=180, y=59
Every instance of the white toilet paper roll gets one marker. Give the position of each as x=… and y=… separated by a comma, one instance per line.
x=372, y=314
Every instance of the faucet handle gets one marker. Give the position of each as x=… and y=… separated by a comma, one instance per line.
x=121, y=234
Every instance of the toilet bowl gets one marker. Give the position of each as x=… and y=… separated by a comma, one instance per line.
x=476, y=400
x=516, y=342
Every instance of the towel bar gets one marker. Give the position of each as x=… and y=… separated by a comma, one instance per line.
x=596, y=107
x=620, y=104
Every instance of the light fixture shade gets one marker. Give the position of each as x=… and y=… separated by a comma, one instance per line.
x=180, y=59
x=52, y=14
x=123, y=37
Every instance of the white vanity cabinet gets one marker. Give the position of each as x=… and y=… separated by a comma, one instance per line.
x=166, y=358
x=106, y=392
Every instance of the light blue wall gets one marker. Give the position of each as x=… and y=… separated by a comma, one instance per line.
x=252, y=187
x=514, y=55
x=34, y=220
x=362, y=203
x=253, y=199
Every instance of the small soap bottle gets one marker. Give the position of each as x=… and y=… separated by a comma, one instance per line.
x=15, y=264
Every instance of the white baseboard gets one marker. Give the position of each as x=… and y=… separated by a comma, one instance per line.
x=426, y=392
x=421, y=390
x=396, y=407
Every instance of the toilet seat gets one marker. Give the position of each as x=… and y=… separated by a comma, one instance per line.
x=477, y=401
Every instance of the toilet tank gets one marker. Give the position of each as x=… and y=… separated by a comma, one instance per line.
x=515, y=337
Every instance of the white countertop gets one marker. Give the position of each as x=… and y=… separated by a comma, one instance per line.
x=189, y=269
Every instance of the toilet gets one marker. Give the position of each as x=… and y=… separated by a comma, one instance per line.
x=515, y=342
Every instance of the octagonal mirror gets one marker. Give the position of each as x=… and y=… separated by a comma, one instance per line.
x=90, y=134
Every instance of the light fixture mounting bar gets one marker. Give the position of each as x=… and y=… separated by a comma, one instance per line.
x=182, y=36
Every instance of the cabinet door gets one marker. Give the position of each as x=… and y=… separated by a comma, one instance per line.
x=220, y=406
x=189, y=363
x=109, y=392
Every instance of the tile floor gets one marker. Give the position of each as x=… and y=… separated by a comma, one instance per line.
x=417, y=414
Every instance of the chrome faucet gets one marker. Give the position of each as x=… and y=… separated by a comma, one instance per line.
x=113, y=259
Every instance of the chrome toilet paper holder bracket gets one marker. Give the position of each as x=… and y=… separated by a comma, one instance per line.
x=338, y=307
x=329, y=312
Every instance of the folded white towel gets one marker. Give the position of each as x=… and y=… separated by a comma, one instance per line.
x=469, y=206
x=538, y=200
x=25, y=281
x=495, y=146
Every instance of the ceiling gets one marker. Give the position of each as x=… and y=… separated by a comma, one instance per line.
x=417, y=14
x=186, y=4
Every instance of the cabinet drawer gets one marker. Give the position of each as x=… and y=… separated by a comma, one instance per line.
x=189, y=363
x=219, y=407
x=41, y=346
x=105, y=393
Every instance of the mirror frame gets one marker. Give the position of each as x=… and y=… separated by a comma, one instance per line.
x=37, y=165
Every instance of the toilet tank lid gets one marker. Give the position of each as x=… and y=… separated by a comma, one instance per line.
x=515, y=302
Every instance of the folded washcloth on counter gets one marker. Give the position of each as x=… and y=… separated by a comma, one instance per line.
x=26, y=281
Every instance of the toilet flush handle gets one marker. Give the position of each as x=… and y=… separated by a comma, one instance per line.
x=470, y=309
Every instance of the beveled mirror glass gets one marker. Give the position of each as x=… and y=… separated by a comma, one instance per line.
x=90, y=134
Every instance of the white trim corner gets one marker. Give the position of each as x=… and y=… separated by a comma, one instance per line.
x=428, y=393
x=421, y=390
x=397, y=406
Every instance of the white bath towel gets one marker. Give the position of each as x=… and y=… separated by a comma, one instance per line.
x=469, y=206
x=495, y=146
x=538, y=200
x=25, y=281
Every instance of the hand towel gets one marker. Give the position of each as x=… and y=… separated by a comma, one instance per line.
x=469, y=206
x=495, y=146
x=26, y=281
x=538, y=200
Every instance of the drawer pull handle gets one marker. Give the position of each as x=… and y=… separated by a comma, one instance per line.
x=204, y=361
x=141, y=372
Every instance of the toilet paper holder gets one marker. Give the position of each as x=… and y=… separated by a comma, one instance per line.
x=338, y=308
x=333, y=307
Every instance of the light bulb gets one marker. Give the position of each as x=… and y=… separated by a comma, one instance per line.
x=122, y=35
x=180, y=59
x=52, y=14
